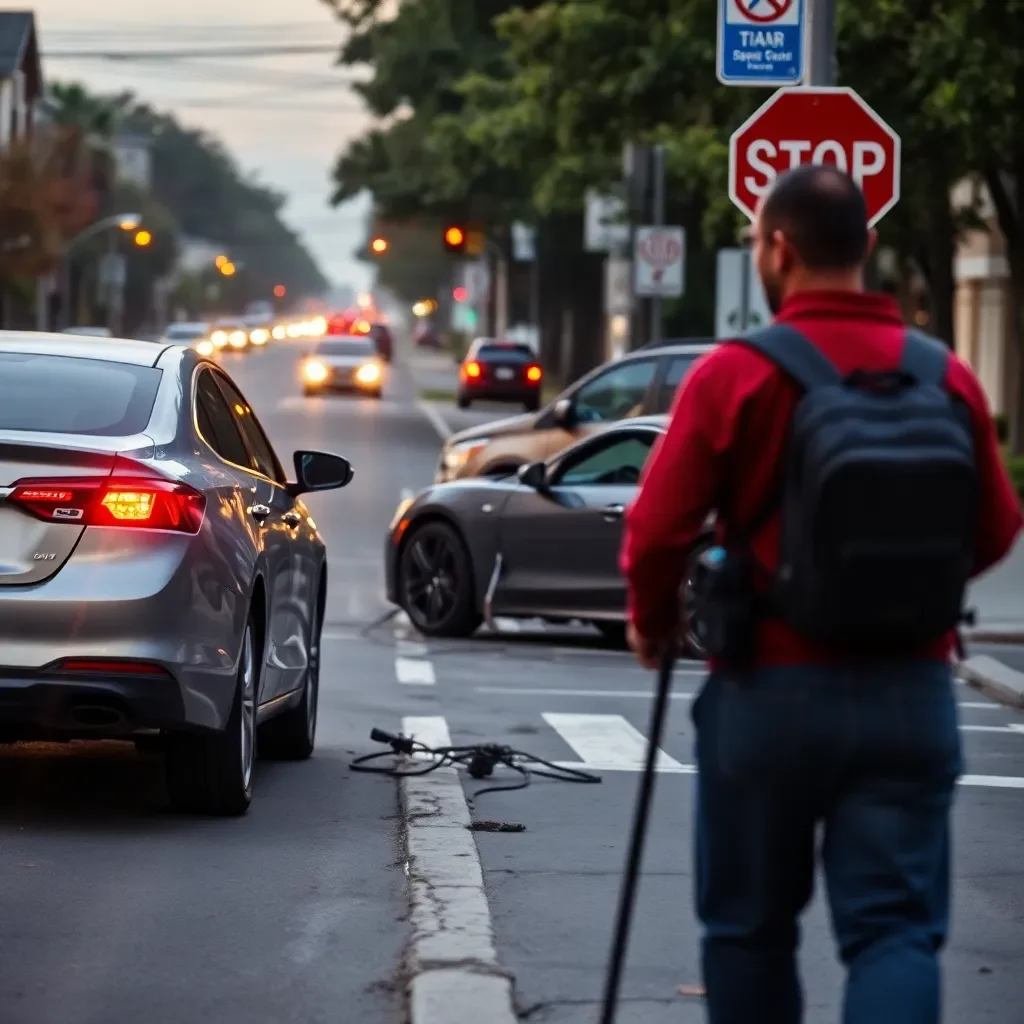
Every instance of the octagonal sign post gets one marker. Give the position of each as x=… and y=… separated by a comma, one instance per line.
x=820, y=126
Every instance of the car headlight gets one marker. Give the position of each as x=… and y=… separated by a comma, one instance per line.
x=238, y=339
x=205, y=347
x=314, y=371
x=456, y=456
x=368, y=373
x=280, y=332
x=219, y=338
x=260, y=336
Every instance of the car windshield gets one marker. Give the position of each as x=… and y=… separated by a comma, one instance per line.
x=505, y=353
x=346, y=347
x=65, y=395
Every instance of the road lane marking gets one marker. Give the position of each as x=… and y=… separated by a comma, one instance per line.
x=508, y=625
x=607, y=740
x=519, y=691
x=453, y=957
x=414, y=671
x=435, y=419
x=992, y=781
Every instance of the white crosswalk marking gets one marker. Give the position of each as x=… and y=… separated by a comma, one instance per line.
x=431, y=730
x=607, y=742
x=414, y=671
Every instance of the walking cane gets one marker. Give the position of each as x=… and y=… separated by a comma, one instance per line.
x=641, y=816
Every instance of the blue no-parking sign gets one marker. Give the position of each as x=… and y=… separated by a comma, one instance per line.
x=761, y=42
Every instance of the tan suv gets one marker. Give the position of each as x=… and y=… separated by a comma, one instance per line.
x=641, y=383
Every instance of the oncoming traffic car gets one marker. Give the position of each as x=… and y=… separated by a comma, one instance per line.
x=159, y=573
x=344, y=363
x=230, y=336
x=642, y=383
x=499, y=371
x=542, y=542
x=196, y=334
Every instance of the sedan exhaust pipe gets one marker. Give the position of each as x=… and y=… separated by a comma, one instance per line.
x=97, y=716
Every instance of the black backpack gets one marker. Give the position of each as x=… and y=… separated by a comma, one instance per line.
x=878, y=498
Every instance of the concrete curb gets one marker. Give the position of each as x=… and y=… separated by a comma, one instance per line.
x=455, y=974
x=994, y=679
x=995, y=635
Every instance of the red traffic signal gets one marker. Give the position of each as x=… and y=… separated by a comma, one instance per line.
x=460, y=294
x=280, y=291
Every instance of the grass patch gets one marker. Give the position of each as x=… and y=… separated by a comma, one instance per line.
x=1015, y=464
x=437, y=395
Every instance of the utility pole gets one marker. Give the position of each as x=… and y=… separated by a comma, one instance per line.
x=821, y=48
x=658, y=220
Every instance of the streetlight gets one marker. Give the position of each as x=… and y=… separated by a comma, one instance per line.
x=123, y=221
x=379, y=246
x=143, y=238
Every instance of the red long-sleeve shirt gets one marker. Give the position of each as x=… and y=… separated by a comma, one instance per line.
x=728, y=432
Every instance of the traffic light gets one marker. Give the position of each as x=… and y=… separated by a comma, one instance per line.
x=143, y=238
x=379, y=246
x=455, y=240
x=460, y=294
x=280, y=291
x=228, y=269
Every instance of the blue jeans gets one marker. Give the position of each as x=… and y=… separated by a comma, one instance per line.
x=871, y=755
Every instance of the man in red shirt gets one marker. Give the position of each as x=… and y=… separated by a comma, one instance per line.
x=868, y=749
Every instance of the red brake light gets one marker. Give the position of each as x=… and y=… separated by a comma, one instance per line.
x=147, y=502
x=472, y=369
x=533, y=373
x=108, y=666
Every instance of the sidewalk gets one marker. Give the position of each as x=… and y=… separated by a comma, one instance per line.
x=998, y=601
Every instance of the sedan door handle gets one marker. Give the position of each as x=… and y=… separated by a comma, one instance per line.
x=259, y=512
x=291, y=520
x=612, y=512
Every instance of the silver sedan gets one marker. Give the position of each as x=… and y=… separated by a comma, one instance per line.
x=159, y=574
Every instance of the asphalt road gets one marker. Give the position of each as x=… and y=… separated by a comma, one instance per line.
x=112, y=909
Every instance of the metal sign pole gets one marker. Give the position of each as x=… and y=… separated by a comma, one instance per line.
x=821, y=43
x=658, y=220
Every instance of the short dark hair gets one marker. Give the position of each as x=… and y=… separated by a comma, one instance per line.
x=821, y=211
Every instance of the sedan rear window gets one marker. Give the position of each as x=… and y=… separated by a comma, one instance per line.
x=346, y=347
x=506, y=353
x=66, y=395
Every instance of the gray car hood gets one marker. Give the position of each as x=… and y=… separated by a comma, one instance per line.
x=496, y=428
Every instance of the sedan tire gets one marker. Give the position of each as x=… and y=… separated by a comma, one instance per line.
x=435, y=582
x=211, y=773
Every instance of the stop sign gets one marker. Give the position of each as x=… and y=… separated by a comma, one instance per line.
x=821, y=126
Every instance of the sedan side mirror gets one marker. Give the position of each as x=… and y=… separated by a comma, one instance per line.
x=564, y=413
x=320, y=471
x=535, y=475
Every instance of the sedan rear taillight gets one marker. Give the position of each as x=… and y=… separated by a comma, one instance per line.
x=150, y=503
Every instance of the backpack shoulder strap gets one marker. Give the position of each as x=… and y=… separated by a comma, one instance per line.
x=794, y=354
x=925, y=358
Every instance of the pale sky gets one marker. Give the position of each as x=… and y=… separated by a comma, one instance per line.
x=290, y=148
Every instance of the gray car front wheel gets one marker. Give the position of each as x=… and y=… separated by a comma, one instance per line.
x=211, y=773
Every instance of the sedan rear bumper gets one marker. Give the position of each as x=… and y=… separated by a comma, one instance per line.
x=38, y=705
x=498, y=392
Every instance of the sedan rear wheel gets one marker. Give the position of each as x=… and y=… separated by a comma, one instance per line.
x=211, y=773
x=436, y=582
